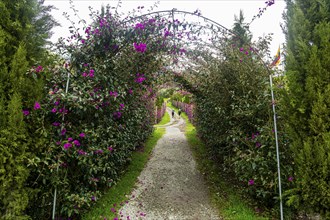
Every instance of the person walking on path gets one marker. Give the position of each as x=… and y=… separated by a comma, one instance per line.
x=172, y=113
x=179, y=112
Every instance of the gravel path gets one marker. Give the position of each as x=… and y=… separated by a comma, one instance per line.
x=170, y=186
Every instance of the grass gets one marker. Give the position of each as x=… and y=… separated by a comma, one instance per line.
x=224, y=196
x=118, y=193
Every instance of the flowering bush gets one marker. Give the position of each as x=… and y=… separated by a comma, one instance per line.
x=234, y=117
x=254, y=162
x=95, y=105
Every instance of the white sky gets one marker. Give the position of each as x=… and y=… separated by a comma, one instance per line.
x=221, y=11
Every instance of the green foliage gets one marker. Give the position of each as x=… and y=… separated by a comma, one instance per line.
x=22, y=44
x=13, y=147
x=235, y=120
x=26, y=21
x=244, y=35
x=307, y=104
x=181, y=96
x=166, y=93
x=159, y=101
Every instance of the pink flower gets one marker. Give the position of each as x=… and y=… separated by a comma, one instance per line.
x=70, y=139
x=167, y=33
x=139, y=26
x=117, y=115
x=141, y=48
x=67, y=146
x=84, y=74
x=56, y=124
x=290, y=179
x=91, y=73
x=114, y=94
x=140, y=78
x=26, y=112
x=39, y=69
x=82, y=135
x=121, y=106
x=98, y=152
x=76, y=142
x=54, y=110
x=270, y=3
x=36, y=105
x=251, y=182
x=63, y=131
x=110, y=148
x=81, y=152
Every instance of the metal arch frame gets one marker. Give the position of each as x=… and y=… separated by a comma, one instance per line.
x=264, y=64
x=270, y=82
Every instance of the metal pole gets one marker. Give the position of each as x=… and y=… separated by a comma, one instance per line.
x=277, y=148
x=55, y=191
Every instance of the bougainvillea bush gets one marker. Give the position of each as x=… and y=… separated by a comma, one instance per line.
x=99, y=108
x=235, y=119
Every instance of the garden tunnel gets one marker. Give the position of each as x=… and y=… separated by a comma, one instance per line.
x=114, y=69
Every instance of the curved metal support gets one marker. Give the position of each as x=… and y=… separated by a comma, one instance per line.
x=169, y=12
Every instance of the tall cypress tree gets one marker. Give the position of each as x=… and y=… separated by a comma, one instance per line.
x=307, y=101
x=242, y=29
x=13, y=145
x=24, y=29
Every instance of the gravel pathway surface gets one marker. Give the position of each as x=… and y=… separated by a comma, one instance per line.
x=170, y=186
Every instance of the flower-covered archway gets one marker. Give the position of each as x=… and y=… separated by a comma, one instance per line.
x=100, y=102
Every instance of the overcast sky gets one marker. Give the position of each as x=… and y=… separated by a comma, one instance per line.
x=221, y=11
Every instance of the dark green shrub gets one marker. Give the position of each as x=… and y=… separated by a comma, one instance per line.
x=307, y=102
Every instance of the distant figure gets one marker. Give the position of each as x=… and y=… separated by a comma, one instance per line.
x=179, y=112
x=172, y=113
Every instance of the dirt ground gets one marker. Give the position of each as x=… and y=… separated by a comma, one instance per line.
x=170, y=186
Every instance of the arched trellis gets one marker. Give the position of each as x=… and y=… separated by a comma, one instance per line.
x=223, y=30
x=217, y=29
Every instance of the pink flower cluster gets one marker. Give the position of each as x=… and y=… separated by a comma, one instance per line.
x=139, y=78
x=251, y=182
x=39, y=69
x=141, y=47
x=113, y=93
x=91, y=73
x=139, y=26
